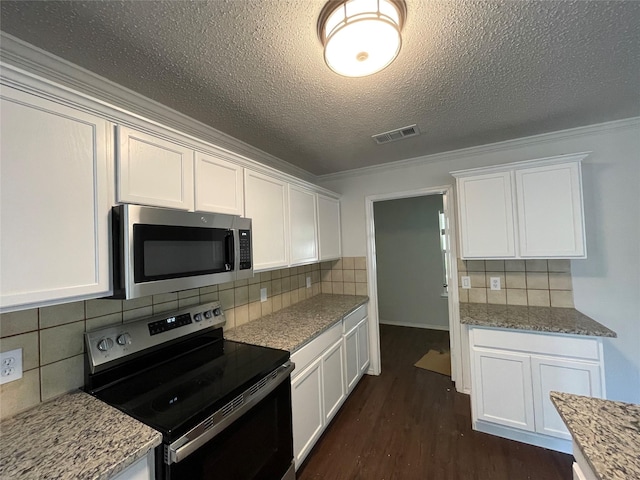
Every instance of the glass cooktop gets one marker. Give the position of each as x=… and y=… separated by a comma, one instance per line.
x=177, y=394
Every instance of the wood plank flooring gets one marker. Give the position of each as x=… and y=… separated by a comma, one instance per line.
x=411, y=424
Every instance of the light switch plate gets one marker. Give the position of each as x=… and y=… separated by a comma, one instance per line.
x=495, y=283
x=466, y=282
x=263, y=294
x=308, y=282
x=10, y=366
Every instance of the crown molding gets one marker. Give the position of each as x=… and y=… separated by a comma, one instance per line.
x=41, y=63
x=589, y=130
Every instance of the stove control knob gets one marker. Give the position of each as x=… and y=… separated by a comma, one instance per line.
x=197, y=317
x=105, y=344
x=208, y=314
x=124, y=339
x=217, y=312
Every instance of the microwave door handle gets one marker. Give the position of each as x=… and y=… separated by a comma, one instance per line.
x=229, y=251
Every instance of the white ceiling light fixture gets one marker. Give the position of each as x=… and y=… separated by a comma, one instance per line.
x=361, y=37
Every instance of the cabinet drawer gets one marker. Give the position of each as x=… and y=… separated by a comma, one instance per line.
x=540, y=343
x=312, y=350
x=354, y=318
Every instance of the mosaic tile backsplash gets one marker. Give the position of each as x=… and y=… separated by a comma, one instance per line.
x=536, y=283
x=52, y=337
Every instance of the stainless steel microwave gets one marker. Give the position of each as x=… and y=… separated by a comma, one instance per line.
x=158, y=250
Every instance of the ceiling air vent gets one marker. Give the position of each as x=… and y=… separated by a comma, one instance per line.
x=397, y=134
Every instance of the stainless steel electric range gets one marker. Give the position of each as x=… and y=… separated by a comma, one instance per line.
x=223, y=407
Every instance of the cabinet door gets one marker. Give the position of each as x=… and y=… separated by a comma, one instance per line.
x=307, y=410
x=486, y=216
x=363, y=346
x=501, y=388
x=266, y=205
x=303, y=221
x=329, y=243
x=352, y=369
x=153, y=171
x=579, y=378
x=142, y=469
x=333, y=379
x=550, y=218
x=54, y=202
x=219, y=185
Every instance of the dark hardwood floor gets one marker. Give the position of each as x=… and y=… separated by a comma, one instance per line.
x=409, y=423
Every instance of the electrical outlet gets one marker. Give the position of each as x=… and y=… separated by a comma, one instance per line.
x=466, y=282
x=308, y=282
x=495, y=283
x=10, y=366
x=263, y=294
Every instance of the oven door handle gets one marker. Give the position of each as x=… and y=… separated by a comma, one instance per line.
x=221, y=419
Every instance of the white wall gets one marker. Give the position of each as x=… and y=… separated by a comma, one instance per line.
x=409, y=264
x=607, y=284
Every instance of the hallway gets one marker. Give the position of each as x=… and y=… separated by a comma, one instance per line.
x=411, y=424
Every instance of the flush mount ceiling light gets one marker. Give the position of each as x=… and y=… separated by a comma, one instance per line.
x=361, y=37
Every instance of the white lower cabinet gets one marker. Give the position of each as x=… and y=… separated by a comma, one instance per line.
x=333, y=388
x=351, y=358
x=327, y=369
x=142, y=469
x=307, y=411
x=502, y=382
x=555, y=374
x=514, y=372
x=363, y=343
x=356, y=345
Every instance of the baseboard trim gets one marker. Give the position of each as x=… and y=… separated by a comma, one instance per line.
x=414, y=325
x=530, y=438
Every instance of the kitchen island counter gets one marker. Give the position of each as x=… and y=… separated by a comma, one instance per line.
x=607, y=434
x=75, y=436
x=294, y=326
x=538, y=319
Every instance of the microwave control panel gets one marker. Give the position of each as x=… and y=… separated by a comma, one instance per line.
x=245, y=249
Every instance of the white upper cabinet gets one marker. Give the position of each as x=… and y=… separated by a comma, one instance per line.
x=329, y=245
x=266, y=206
x=153, y=171
x=522, y=210
x=486, y=215
x=54, y=202
x=303, y=225
x=550, y=211
x=219, y=185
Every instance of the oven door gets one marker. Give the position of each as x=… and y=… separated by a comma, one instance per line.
x=257, y=445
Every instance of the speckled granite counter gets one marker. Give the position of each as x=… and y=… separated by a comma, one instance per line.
x=75, y=436
x=606, y=432
x=540, y=319
x=294, y=326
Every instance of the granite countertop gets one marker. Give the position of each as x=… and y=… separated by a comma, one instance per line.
x=539, y=319
x=606, y=432
x=75, y=436
x=294, y=326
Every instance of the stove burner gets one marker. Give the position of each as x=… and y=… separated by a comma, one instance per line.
x=177, y=396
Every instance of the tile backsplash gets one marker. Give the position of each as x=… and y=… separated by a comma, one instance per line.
x=52, y=338
x=536, y=283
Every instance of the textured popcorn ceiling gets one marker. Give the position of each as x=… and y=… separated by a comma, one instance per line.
x=469, y=72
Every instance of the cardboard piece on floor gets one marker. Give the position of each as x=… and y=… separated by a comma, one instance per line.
x=436, y=362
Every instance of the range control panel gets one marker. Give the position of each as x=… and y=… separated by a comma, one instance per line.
x=114, y=343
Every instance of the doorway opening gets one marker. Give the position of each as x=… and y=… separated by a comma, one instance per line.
x=412, y=275
x=412, y=284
